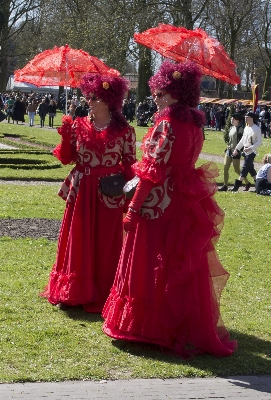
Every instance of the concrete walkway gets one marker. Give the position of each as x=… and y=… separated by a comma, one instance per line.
x=231, y=388
x=6, y=146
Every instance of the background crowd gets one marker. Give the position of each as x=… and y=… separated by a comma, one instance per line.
x=217, y=115
x=17, y=106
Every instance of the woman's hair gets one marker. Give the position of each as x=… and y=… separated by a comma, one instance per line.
x=111, y=89
x=267, y=159
x=181, y=80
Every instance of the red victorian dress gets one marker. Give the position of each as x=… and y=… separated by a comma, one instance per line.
x=91, y=233
x=169, y=278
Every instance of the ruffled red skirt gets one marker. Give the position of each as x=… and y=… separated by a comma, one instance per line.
x=89, y=247
x=169, y=279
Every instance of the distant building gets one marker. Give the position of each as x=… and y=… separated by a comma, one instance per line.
x=133, y=79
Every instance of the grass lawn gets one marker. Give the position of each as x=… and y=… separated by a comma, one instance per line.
x=40, y=342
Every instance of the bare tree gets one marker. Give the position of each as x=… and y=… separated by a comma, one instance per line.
x=105, y=29
x=14, y=14
x=227, y=20
x=187, y=13
x=262, y=36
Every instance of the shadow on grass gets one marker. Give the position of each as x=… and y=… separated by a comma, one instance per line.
x=79, y=314
x=252, y=357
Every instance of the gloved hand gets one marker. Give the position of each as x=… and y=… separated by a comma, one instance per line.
x=130, y=221
x=142, y=190
x=65, y=131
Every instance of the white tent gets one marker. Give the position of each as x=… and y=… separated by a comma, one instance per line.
x=28, y=87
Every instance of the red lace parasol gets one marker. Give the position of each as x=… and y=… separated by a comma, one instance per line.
x=61, y=66
x=180, y=44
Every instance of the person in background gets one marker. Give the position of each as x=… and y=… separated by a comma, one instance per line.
x=31, y=110
x=71, y=109
x=91, y=233
x=218, y=119
x=51, y=112
x=18, y=110
x=264, y=117
x=131, y=111
x=9, y=107
x=235, y=134
x=83, y=109
x=263, y=177
x=43, y=111
x=250, y=141
x=169, y=279
x=125, y=108
x=208, y=116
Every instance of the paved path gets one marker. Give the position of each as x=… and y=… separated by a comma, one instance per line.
x=6, y=146
x=231, y=388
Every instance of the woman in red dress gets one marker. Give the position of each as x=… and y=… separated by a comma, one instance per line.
x=91, y=233
x=169, y=279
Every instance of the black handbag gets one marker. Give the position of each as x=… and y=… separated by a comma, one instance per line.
x=112, y=185
x=130, y=187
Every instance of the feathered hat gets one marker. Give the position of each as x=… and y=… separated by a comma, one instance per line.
x=181, y=80
x=111, y=89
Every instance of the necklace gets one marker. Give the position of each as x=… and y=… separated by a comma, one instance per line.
x=101, y=129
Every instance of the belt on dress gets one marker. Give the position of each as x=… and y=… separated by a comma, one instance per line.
x=87, y=170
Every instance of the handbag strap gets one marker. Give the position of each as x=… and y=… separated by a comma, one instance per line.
x=87, y=170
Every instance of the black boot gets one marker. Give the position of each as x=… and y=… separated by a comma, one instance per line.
x=247, y=187
x=236, y=186
x=223, y=188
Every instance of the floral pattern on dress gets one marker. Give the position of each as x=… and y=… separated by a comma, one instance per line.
x=157, y=147
x=97, y=153
x=158, y=200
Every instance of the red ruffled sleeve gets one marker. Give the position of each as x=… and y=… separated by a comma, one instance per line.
x=157, y=147
x=66, y=150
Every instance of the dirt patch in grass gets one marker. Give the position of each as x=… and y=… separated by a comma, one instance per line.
x=33, y=228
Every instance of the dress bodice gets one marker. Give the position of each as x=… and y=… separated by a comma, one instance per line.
x=95, y=153
x=104, y=148
x=170, y=151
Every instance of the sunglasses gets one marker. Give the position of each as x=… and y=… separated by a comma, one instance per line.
x=158, y=94
x=93, y=98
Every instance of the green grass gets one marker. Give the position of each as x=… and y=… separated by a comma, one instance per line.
x=30, y=201
x=40, y=342
x=45, y=137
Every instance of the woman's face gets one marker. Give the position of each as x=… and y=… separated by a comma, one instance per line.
x=234, y=122
x=162, y=99
x=95, y=103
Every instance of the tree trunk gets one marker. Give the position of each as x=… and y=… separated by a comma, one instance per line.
x=187, y=13
x=3, y=67
x=267, y=80
x=181, y=13
x=144, y=73
x=4, y=17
